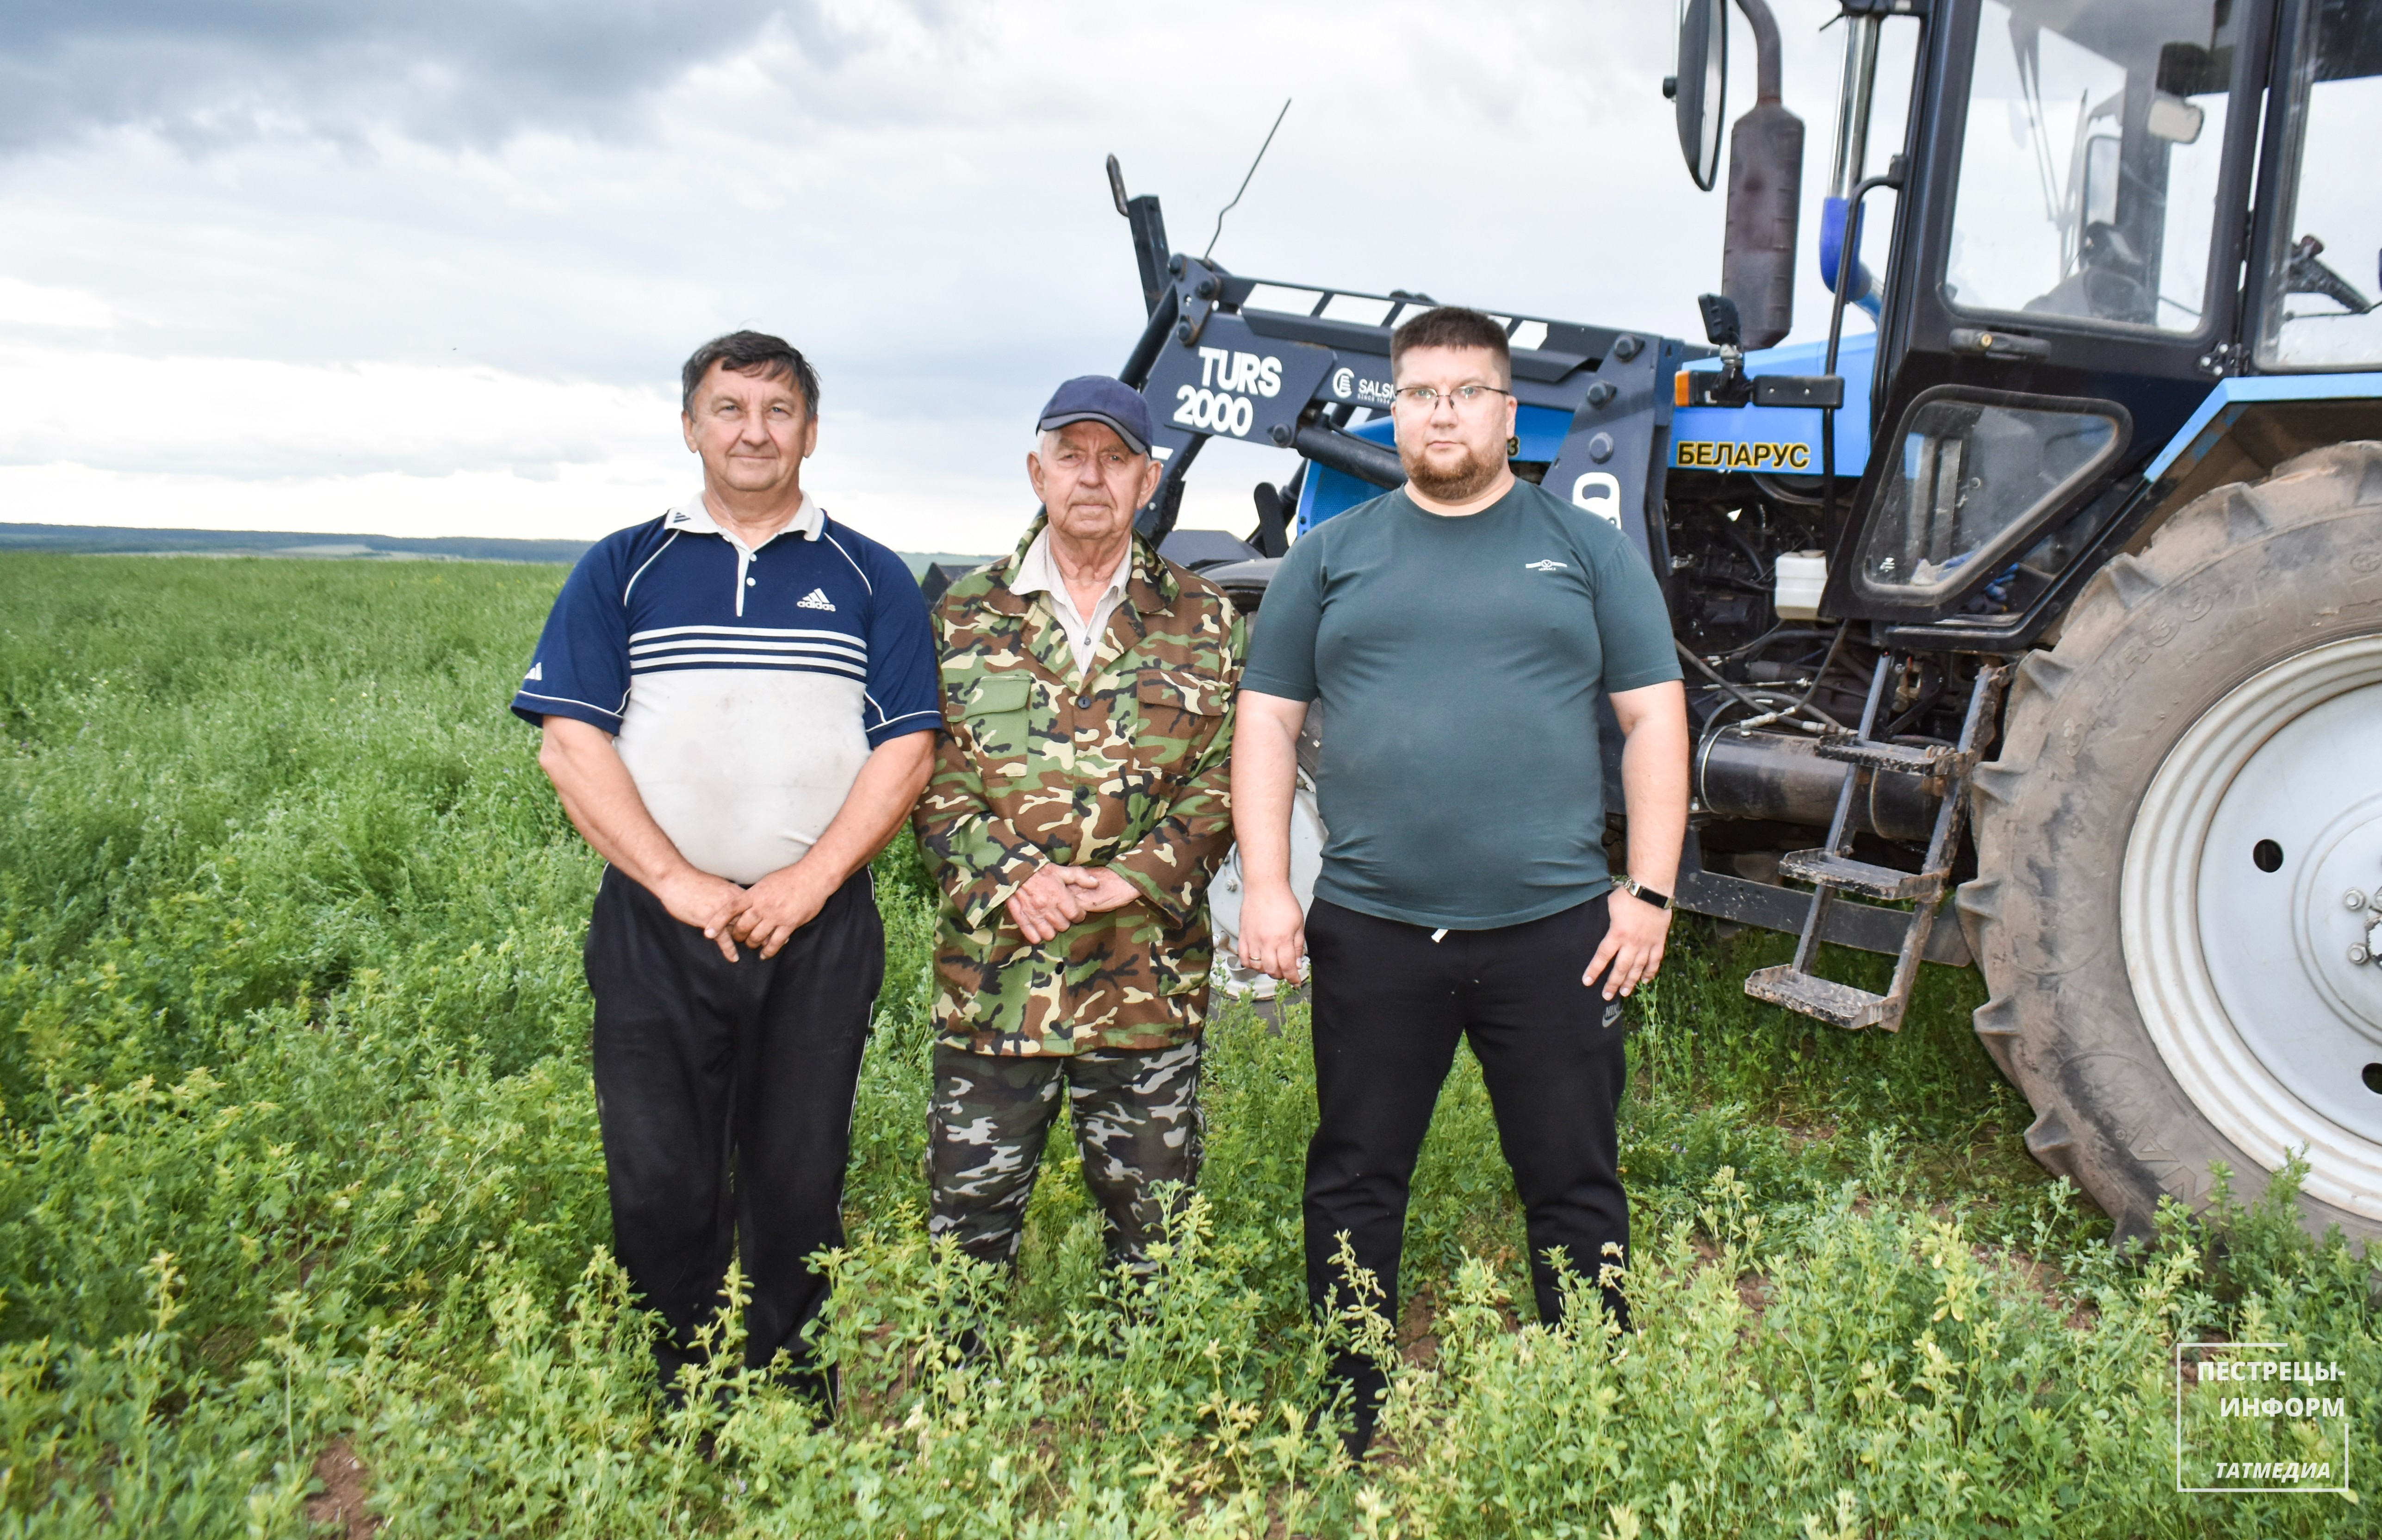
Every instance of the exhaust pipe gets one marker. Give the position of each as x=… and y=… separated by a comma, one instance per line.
x=1765, y=187
x=1782, y=779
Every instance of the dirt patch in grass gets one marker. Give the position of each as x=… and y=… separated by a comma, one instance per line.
x=1752, y=1285
x=346, y=1484
x=2046, y=1282
x=1418, y=1342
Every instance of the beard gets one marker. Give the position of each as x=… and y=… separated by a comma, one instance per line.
x=1458, y=483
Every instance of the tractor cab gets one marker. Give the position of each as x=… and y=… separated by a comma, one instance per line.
x=2122, y=479
x=2104, y=212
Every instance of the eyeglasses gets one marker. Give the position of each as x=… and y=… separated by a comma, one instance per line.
x=1426, y=398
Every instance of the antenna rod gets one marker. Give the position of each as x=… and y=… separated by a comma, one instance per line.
x=1245, y=180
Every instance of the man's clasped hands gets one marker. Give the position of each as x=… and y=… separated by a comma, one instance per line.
x=1056, y=897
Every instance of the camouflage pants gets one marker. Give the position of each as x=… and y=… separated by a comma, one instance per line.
x=1136, y=1119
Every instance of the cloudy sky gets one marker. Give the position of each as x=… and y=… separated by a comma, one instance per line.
x=429, y=269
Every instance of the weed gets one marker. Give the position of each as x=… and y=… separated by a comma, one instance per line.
x=298, y=1153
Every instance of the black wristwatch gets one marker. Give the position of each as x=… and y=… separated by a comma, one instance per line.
x=1643, y=894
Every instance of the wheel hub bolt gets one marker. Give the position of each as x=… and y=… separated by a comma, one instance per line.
x=2359, y=955
x=2353, y=899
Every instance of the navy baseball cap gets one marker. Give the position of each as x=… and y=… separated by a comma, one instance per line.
x=1098, y=399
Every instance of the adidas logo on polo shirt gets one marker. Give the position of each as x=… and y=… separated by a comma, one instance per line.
x=815, y=599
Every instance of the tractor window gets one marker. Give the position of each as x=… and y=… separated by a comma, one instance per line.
x=1978, y=472
x=2324, y=276
x=2089, y=168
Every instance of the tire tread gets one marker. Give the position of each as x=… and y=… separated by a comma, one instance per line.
x=2019, y=1025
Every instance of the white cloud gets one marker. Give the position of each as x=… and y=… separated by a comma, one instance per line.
x=917, y=203
x=262, y=420
x=31, y=304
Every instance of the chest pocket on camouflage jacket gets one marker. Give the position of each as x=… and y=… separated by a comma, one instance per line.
x=1179, y=713
x=999, y=712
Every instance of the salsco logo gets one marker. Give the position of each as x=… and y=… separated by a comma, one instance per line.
x=1722, y=455
x=1373, y=393
x=1219, y=403
x=2245, y=1422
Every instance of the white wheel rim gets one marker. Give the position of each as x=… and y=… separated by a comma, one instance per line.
x=2243, y=974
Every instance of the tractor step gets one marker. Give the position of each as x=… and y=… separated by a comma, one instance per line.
x=1831, y=869
x=1838, y=1004
x=1825, y=868
x=1928, y=760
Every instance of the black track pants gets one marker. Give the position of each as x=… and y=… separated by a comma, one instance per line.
x=1390, y=1003
x=725, y=1091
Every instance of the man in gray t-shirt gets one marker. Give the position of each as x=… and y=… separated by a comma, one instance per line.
x=1460, y=634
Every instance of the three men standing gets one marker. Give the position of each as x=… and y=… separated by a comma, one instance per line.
x=1078, y=809
x=739, y=707
x=738, y=721
x=1461, y=634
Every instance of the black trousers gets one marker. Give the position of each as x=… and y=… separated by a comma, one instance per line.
x=1389, y=1004
x=725, y=1091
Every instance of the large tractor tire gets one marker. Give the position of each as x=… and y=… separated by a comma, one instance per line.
x=2179, y=851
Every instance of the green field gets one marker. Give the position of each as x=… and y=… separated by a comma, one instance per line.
x=301, y=1201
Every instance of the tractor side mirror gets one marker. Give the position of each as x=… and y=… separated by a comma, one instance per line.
x=1700, y=91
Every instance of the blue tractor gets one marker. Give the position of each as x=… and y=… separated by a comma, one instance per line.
x=2051, y=595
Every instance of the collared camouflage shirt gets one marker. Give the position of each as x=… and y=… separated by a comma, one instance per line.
x=1125, y=765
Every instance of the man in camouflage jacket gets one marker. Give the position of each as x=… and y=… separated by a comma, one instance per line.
x=1078, y=809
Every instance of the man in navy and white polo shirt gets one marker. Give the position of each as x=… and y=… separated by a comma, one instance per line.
x=740, y=706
